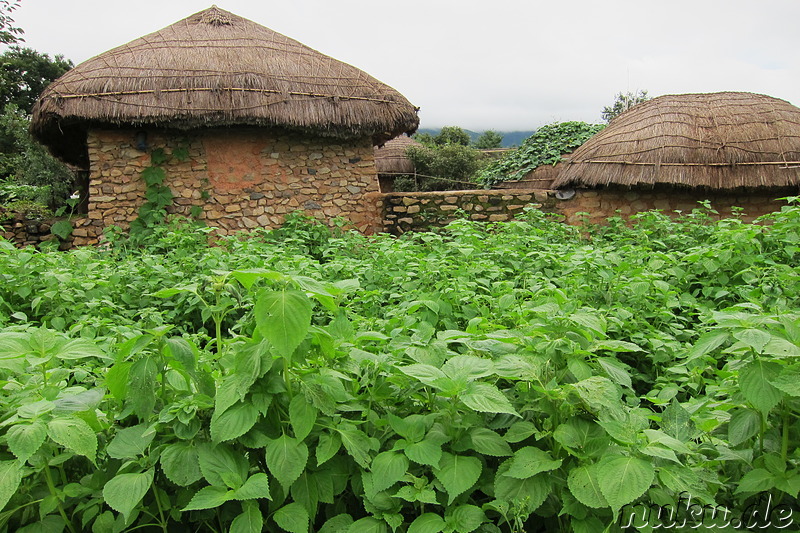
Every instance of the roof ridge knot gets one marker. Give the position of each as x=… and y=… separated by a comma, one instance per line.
x=215, y=16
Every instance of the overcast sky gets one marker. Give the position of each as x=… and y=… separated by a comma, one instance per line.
x=503, y=64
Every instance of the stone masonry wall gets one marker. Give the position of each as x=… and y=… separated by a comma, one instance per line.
x=23, y=232
x=239, y=178
x=604, y=203
x=418, y=211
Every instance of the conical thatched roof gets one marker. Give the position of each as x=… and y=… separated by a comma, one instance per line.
x=391, y=157
x=718, y=141
x=215, y=68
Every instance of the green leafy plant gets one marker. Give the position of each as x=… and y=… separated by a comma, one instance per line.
x=545, y=147
x=520, y=376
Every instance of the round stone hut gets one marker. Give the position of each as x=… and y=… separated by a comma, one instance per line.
x=734, y=149
x=247, y=125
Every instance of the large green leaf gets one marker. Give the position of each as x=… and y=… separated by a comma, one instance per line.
x=123, y=492
x=74, y=434
x=142, y=386
x=527, y=493
x=457, y=473
x=10, y=476
x=754, y=380
x=25, y=439
x=707, y=343
x=292, y=518
x=131, y=442
x=467, y=367
x=584, y=484
x=286, y=459
x=465, y=518
x=357, y=444
x=209, y=498
x=284, y=319
x=788, y=381
x=676, y=421
x=180, y=463
x=233, y=422
x=755, y=338
x=756, y=480
x=256, y=486
x=529, y=461
x=327, y=446
x=222, y=465
x=427, y=523
x=486, y=398
x=368, y=524
x=488, y=442
x=744, y=424
x=387, y=469
x=425, y=452
x=337, y=524
x=250, y=521
x=302, y=416
x=624, y=479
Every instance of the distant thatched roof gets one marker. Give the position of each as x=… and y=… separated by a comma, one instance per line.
x=718, y=141
x=215, y=68
x=391, y=157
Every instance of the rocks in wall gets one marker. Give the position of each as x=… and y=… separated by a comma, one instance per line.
x=422, y=211
x=239, y=179
x=418, y=211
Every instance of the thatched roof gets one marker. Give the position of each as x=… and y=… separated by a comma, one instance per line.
x=213, y=69
x=719, y=141
x=391, y=157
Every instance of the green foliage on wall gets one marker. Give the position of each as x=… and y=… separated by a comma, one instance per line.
x=545, y=147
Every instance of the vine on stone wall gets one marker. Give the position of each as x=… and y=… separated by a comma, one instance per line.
x=158, y=196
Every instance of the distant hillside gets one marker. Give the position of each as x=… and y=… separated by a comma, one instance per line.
x=510, y=138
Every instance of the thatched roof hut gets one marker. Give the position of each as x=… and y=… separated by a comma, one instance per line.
x=215, y=68
x=716, y=141
x=391, y=158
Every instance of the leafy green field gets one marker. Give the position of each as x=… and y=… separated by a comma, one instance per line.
x=526, y=376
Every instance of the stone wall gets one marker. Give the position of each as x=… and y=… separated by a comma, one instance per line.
x=23, y=232
x=604, y=203
x=238, y=178
x=417, y=211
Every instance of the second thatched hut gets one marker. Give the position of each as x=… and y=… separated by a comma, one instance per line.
x=734, y=149
x=392, y=161
x=248, y=126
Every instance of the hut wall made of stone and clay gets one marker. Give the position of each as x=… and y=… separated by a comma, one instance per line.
x=240, y=178
x=596, y=205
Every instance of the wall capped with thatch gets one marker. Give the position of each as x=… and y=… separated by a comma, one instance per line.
x=240, y=178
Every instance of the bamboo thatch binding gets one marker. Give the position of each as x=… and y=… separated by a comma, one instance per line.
x=391, y=157
x=719, y=141
x=215, y=68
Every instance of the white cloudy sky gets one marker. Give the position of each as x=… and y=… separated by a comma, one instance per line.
x=503, y=64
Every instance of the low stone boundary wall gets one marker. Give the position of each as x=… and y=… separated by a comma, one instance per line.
x=24, y=233
x=418, y=211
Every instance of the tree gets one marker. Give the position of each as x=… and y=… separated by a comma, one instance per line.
x=9, y=34
x=24, y=74
x=623, y=102
x=25, y=161
x=443, y=167
x=452, y=135
x=488, y=140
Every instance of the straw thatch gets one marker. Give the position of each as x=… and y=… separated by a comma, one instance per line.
x=391, y=158
x=215, y=68
x=723, y=140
